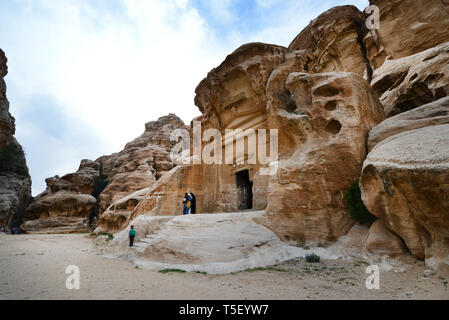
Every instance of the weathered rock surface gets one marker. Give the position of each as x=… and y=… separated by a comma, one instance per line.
x=371, y=243
x=322, y=121
x=322, y=148
x=15, y=181
x=335, y=39
x=68, y=203
x=138, y=166
x=108, y=188
x=410, y=82
x=191, y=243
x=430, y=114
x=115, y=216
x=232, y=96
x=407, y=27
x=405, y=183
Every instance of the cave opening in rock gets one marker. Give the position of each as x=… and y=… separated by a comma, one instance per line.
x=244, y=189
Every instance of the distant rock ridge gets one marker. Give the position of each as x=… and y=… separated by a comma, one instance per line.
x=15, y=181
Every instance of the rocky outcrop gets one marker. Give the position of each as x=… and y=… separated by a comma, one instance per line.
x=137, y=167
x=406, y=27
x=322, y=121
x=430, y=114
x=322, y=148
x=405, y=184
x=68, y=204
x=410, y=82
x=405, y=176
x=372, y=242
x=15, y=181
x=381, y=241
x=191, y=243
x=335, y=39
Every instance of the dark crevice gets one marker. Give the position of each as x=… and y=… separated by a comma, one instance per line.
x=361, y=31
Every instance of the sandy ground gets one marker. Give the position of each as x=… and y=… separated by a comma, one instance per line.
x=33, y=267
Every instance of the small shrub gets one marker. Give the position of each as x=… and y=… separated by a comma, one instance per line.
x=357, y=210
x=312, y=258
x=171, y=270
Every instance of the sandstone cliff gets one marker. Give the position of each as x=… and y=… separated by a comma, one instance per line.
x=15, y=181
x=405, y=176
x=347, y=102
x=106, y=190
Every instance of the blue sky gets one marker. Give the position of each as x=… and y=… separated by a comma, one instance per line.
x=86, y=75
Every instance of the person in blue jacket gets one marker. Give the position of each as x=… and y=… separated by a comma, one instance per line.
x=132, y=235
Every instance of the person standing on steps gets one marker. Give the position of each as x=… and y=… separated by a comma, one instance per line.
x=132, y=235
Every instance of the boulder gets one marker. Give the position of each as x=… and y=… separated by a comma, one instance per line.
x=191, y=243
x=405, y=183
x=381, y=241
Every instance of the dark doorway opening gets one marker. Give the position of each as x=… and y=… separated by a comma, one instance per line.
x=244, y=190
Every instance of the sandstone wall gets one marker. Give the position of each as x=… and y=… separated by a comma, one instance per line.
x=407, y=27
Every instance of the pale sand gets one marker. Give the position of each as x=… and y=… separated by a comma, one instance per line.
x=33, y=267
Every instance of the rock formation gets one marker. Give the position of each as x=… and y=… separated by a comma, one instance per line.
x=322, y=120
x=15, y=181
x=334, y=112
x=407, y=83
x=405, y=184
x=335, y=39
x=191, y=243
x=343, y=101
